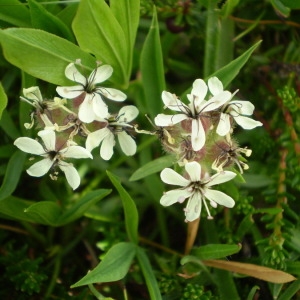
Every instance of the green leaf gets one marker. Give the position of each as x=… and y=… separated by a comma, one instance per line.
x=43, y=19
x=80, y=207
x=214, y=251
x=148, y=273
x=152, y=167
x=98, y=32
x=3, y=99
x=42, y=54
x=13, y=208
x=293, y=4
x=113, y=267
x=281, y=8
x=152, y=69
x=230, y=71
x=130, y=210
x=12, y=174
x=128, y=14
x=244, y=227
x=15, y=13
x=290, y=291
x=253, y=292
x=43, y=212
x=8, y=125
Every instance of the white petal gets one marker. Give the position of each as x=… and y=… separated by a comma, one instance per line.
x=193, y=208
x=199, y=89
x=127, y=143
x=73, y=74
x=221, y=177
x=112, y=94
x=194, y=170
x=174, y=196
x=95, y=138
x=40, y=168
x=219, y=198
x=49, y=139
x=169, y=120
x=107, y=147
x=71, y=174
x=242, y=107
x=100, y=74
x=198, y=135
x=29, y=145
x=171, y=101
x=99, y=107
x=216, y=101
x=70, y=92
x=224, y=125
x=215, y=85
x=77, y=152
x=169, y=176
x=127, y=113
x=246, y=122
x=86, y=112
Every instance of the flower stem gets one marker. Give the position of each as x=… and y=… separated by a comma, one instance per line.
x=192, y=230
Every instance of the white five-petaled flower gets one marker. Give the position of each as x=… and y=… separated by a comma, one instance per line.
x=237, y=109
x=115, y=125
x=196, y=189
x=197, y=107
x=52, y=157
x=93, y=105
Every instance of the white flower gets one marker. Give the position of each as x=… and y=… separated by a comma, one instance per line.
x=116, y=125
x=52, y=157
x=197, y=107
x=196, y=189
x=93, y=105
x=237, y=109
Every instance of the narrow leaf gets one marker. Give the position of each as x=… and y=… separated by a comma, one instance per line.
x=130, y=210
x=128, y=14
x=15, y=13
x=44, y=212
x=3, y=99
x=43, y=19
x=263, y=273
x=230, y=71
x=12, y=174
x=113, y=267
x=13, y=208
x=290, y=291
x=149, y=276
x=213, y=251
x=79, y=208
x=98, y=32
x=41, y=54
x=152, y=68
x=152, y=167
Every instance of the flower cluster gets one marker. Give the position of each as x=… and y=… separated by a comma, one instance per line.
x=65, y=123
x=201, y=132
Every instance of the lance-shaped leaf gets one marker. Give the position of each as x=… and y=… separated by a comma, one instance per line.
x=41, y=54
x=3, y=99
x=128, y=14
x=12, y=174
x=113, y=267
x=152, y=167
x=15, y=13
x=130, y=210
x=41, y=18
x=98, y=32
x=152, y=68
